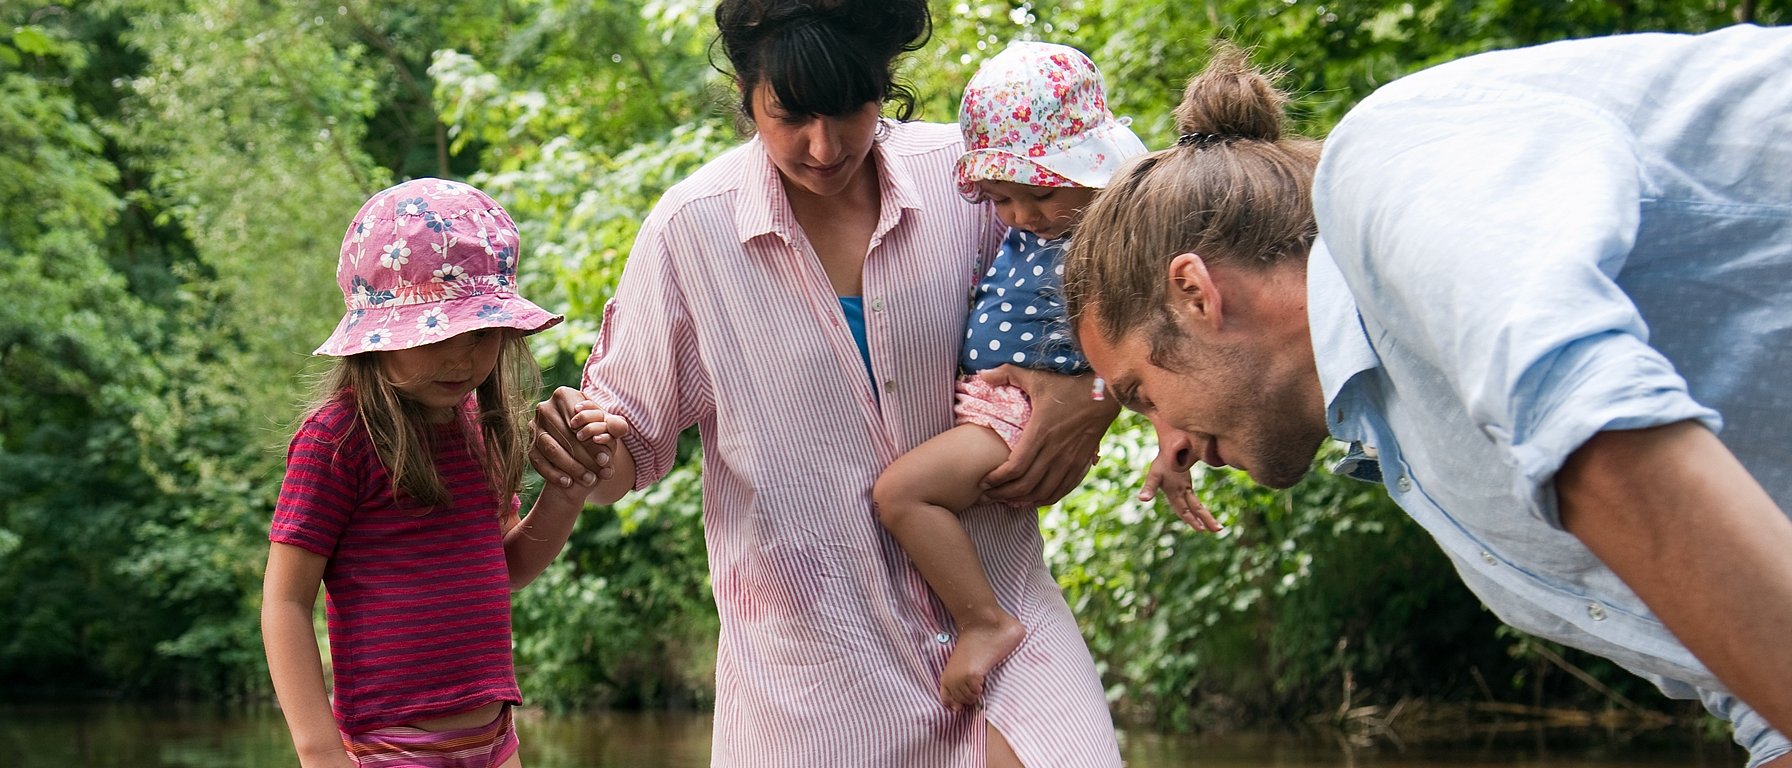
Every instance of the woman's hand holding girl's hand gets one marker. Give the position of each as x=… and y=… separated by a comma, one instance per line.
x=597, y=426
x=600, y=428
x=1058, y=444
x=558, y=452
x=1169, y=473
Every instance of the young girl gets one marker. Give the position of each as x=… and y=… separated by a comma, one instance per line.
x=401, y=494
x=1040, y=140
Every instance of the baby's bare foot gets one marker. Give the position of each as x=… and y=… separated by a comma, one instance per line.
x=979, y=651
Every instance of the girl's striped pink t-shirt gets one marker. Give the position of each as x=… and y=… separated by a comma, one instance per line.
x=418, y=598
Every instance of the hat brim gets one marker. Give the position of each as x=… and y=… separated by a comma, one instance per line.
x=1089, y=162
x=386, y=329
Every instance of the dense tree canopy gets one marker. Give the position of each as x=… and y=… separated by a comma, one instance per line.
x=174, y=178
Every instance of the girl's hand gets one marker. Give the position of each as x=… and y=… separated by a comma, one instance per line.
x=592, y=424
x=588, y=440
x=1169, y=473
x=557, y=452
x=1059, y=443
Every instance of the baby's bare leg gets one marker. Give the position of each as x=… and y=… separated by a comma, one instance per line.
x=918, y=499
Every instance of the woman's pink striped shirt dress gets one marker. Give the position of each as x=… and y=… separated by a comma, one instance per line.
x=831, y=644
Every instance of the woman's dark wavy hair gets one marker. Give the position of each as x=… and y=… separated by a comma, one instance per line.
x=822, y=57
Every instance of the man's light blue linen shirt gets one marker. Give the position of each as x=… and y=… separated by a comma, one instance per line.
x=1523, y=248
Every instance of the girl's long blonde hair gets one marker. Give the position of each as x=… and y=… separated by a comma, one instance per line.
x=401, y=433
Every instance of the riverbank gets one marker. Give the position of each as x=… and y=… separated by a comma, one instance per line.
x=187, y=735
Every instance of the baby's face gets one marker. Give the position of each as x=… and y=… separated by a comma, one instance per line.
x=1048, y=212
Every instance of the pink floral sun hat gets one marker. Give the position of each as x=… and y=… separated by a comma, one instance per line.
x=424, y=261
x=1037, y=114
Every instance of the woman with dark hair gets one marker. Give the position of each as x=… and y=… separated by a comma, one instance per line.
x=801, y=300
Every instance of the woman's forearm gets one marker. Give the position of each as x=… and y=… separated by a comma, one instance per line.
x=611, y=489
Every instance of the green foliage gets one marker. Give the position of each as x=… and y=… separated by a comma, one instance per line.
x=1263, y=620
x=70, y=333
x=580, y=140
x=625, y=617
x=176, y=205
x=577, y=231
x=174, y=178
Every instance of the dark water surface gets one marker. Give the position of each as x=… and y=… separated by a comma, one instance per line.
x=197, y=736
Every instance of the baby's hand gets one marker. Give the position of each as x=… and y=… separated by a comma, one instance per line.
x=1178, y=488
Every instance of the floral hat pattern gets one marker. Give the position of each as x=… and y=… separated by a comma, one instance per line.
x=426, y=260
x=1037, y=114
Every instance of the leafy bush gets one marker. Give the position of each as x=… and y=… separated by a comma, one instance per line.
x=625, y=617
x=174, y=175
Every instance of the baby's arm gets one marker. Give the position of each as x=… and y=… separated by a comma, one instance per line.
x=1169, y=473
x=288, y=599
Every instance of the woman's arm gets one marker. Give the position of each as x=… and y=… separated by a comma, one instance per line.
x=1671, y=511
x=288, y=599
x=1058, y=444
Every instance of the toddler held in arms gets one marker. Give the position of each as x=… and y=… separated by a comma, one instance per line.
x=1039, y=142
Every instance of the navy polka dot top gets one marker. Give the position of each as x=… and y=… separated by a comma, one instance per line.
x=1017, y=312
